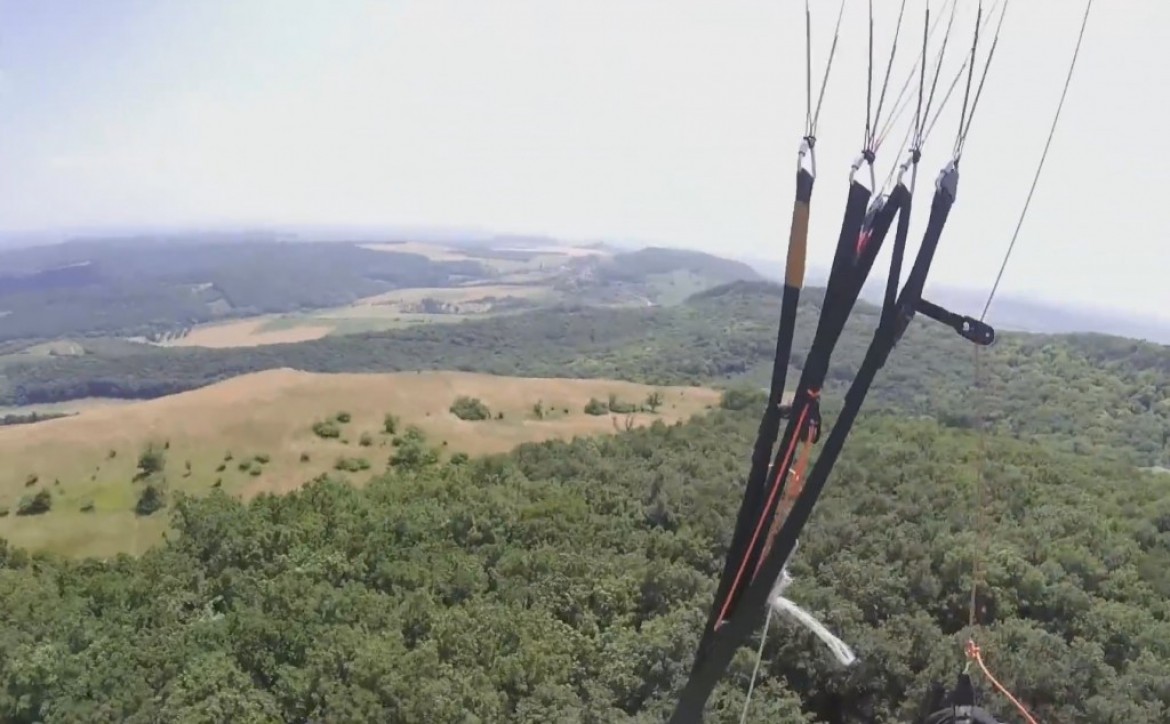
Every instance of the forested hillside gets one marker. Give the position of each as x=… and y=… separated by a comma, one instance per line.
x=634, y=266
x=1090, y=393
x=140, y=287
x=568, y=582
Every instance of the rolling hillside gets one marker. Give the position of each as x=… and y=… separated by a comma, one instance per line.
x=182, y=290
x=1104, y=395
x=255, y=434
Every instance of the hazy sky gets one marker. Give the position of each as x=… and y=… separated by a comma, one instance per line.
x=667, y=121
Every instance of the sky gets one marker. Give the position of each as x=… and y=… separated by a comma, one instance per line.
x=672, y=122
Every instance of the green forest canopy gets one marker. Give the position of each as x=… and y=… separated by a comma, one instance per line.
x=569, y=581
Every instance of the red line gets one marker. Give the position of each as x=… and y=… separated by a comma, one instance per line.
x=792, y=491
x=862, y=241
x=783, y=469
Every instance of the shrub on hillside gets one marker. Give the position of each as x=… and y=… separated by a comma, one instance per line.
x=470, y=408
x=326, y=429
x=622, y=408
x=741, y=398
x=150, y=500
x=654, y=401
x=37, y=504
x=351, y=465
x=596, y=407
x=413, y=451
x=151, y=461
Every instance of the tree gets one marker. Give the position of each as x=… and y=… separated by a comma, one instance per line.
x=326, y=429
x=150, y=500
x=151, y=461
x=352, y=465
x=741, y=398
x=413, y=452
x=38, y=504
x=470, y=408
x=654, y=400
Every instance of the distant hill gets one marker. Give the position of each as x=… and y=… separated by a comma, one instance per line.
x=1010, y=312
x=635, y=265
x=141, y=287
x=1033, y=315
x=1091, y=393
x=652, y=276
x=157, y=287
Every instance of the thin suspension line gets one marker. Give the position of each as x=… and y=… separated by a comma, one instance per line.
x=978, y=572
x=970, y=77
x=955, y=80
x=808, y=116
x=894, y=166
x=1040, y=166
x=886, y=82
x=869, y=81
x=902, y=100
x=747, y=702
x=983, y=78
x=915, y=130
x=938, y=67
x=922, y=75
x=828, y=64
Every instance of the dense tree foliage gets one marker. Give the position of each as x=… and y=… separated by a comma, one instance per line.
x=569, y=582
x=1088, y=393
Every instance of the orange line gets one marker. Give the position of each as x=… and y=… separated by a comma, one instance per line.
x=792, y=491
x=780, y=470
x=974, y=655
